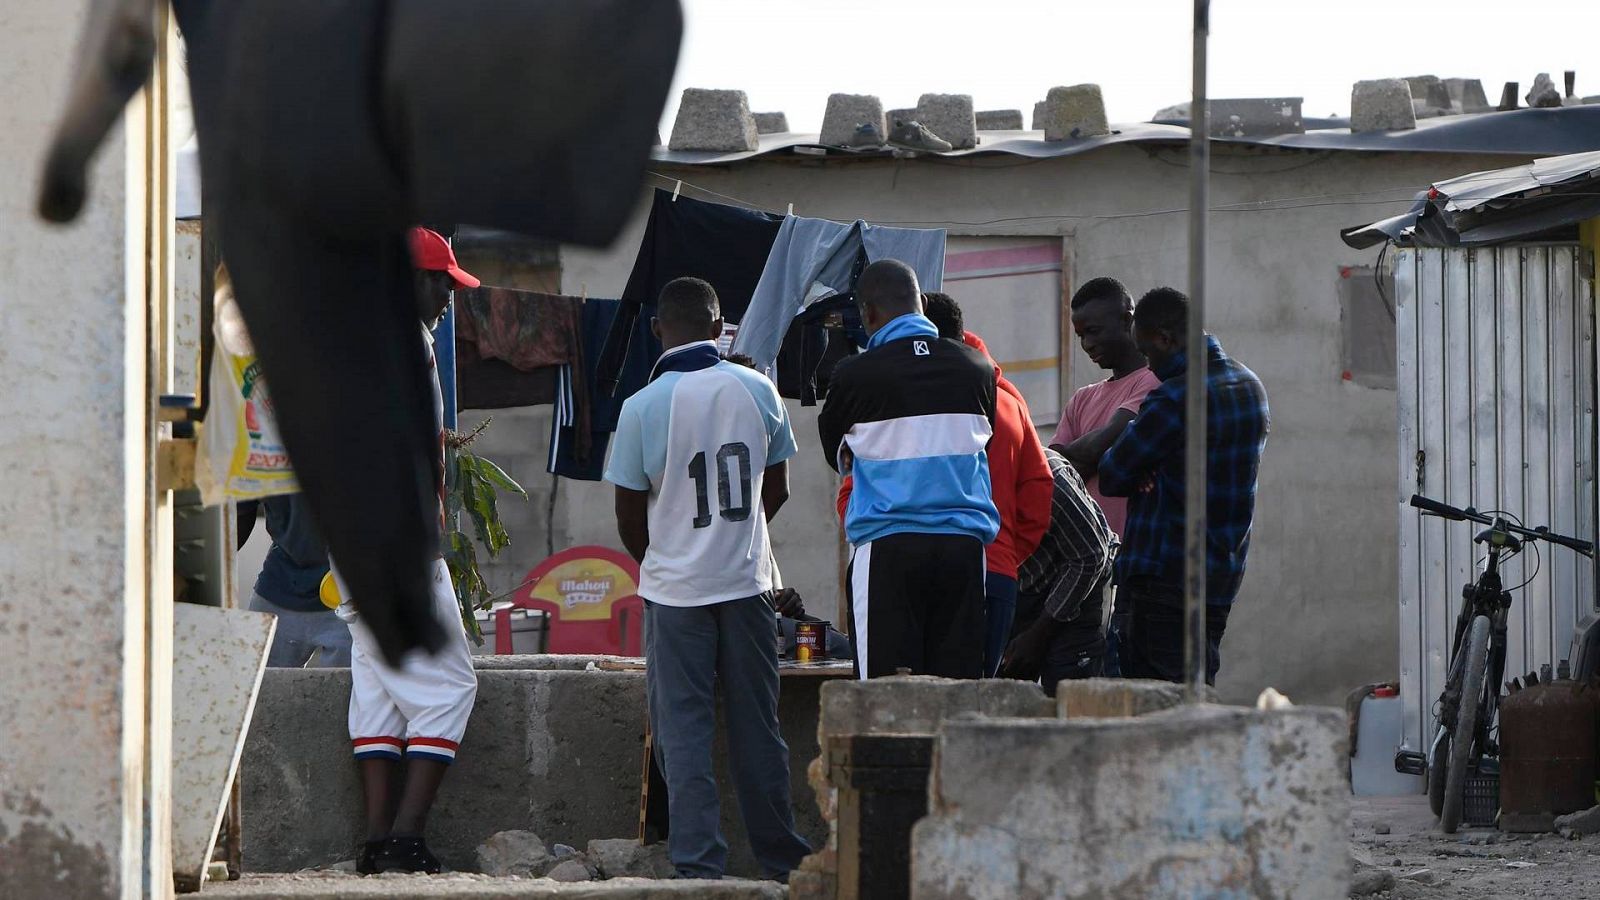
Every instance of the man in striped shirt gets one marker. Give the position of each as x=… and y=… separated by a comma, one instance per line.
x=1061, y=588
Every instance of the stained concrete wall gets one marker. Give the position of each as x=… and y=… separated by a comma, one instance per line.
x=72, y=513
x=556, y=751
x=1318, y=613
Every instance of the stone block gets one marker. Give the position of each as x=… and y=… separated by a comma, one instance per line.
x=627, y=858
x=949, y=116
x=1255, y=117
x=713, y=120
x=1543, y=93
x=919, y=704
x=1110, y=698
x=1466, y=94
x=1383, y=104
x=569, y=870
x=548, y=749
x=905, y=114
x=515, y=853
x=1207, y=802
x=1175, y=112
x=1075, y=112
x=845, y=113
x=1037, y=122
x=771, y=123
x=1422, y=86
x=999, y=119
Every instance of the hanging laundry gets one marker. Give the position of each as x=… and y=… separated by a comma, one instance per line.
x=725, y=245
x=518, y=348
x=814, y=259
x=582, y=457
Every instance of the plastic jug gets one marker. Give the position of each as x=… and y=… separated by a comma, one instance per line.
x=1378, y=735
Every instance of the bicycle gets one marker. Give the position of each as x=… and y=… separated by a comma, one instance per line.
x=1464, y=736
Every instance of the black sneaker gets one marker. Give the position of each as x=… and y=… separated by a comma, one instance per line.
x=367, y=859
x=916, y=136
x=407, y=854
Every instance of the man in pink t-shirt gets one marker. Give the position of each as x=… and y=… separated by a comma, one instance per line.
x=1102, y=317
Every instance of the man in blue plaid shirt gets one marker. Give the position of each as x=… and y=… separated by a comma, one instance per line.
x=1146, y=465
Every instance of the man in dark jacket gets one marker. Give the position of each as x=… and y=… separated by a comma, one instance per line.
x=912, y=416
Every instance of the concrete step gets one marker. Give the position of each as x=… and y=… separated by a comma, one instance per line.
x=338, y=886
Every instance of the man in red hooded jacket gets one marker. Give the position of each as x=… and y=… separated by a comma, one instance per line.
x=1021, y=486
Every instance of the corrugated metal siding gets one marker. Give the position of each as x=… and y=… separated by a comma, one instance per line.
x=1496, y=376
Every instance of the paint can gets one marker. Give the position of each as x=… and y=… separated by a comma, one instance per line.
x=811, y=641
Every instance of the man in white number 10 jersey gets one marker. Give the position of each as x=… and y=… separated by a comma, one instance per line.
x=700, y=463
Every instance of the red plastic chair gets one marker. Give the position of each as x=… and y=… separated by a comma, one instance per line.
x=590, y=599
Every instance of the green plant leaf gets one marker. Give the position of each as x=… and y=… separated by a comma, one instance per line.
x=498, y=477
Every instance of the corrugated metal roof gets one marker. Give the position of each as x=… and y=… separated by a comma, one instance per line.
x=1560, y=130
x=1495, y=205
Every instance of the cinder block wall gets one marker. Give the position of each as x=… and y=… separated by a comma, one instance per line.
x=554, y=751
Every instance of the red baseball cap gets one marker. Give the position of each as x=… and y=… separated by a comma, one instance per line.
x=429, y=250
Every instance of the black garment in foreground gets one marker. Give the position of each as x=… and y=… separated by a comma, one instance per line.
x=916, y=601
x=1153, y=645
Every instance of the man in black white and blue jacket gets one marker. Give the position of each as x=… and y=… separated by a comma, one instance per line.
x=911, y=417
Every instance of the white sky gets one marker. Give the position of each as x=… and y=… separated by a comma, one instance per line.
x=789, y=55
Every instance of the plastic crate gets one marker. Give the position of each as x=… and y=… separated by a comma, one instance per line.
x=1482, y=805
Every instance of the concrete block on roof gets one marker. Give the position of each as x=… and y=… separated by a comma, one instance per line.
x=1422, y=85
x=1466, y=94
x=1209, y=802
x=1037, y=122
x=846, y=113
x=951, y=117
x=713, y=120
x=1173, y=112
x=1543, y=93
x=1078, y=111
x=1255, y=117
x=904, y=114
x=771, y=123
x=1422, y=110
x=1382, y=104
x=999, y=119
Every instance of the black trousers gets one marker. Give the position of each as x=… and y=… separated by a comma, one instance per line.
x=916, y=602
x=1077, y=648
x=1152, y=647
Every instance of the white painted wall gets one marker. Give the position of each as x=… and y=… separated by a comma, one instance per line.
x=73, y=513
x=1317, y=615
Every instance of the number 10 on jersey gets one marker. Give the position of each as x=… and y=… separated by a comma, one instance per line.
x=732, y=462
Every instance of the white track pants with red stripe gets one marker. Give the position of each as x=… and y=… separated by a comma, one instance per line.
x=421, y=708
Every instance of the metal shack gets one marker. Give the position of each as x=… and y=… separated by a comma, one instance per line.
x=1493, y=277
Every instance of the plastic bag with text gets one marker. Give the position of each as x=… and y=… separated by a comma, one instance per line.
x=240, y=456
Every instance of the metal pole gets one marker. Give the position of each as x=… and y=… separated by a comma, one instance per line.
x=1194, y=592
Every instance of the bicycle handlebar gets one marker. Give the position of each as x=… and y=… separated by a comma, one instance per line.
x=1446, y=511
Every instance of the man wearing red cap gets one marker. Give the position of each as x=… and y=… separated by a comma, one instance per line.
x=417, y=711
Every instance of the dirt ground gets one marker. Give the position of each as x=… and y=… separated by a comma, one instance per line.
x=1480, y=863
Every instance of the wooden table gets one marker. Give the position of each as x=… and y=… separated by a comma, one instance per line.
x=652, y=784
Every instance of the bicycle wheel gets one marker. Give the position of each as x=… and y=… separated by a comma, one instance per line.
x=1437, y=767
x=1475, y=666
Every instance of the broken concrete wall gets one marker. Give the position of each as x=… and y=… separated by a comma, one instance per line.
x=553, y=751
x=1194, y=802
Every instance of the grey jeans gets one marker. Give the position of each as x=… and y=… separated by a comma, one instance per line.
x=690, y=651
x=301, y=634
